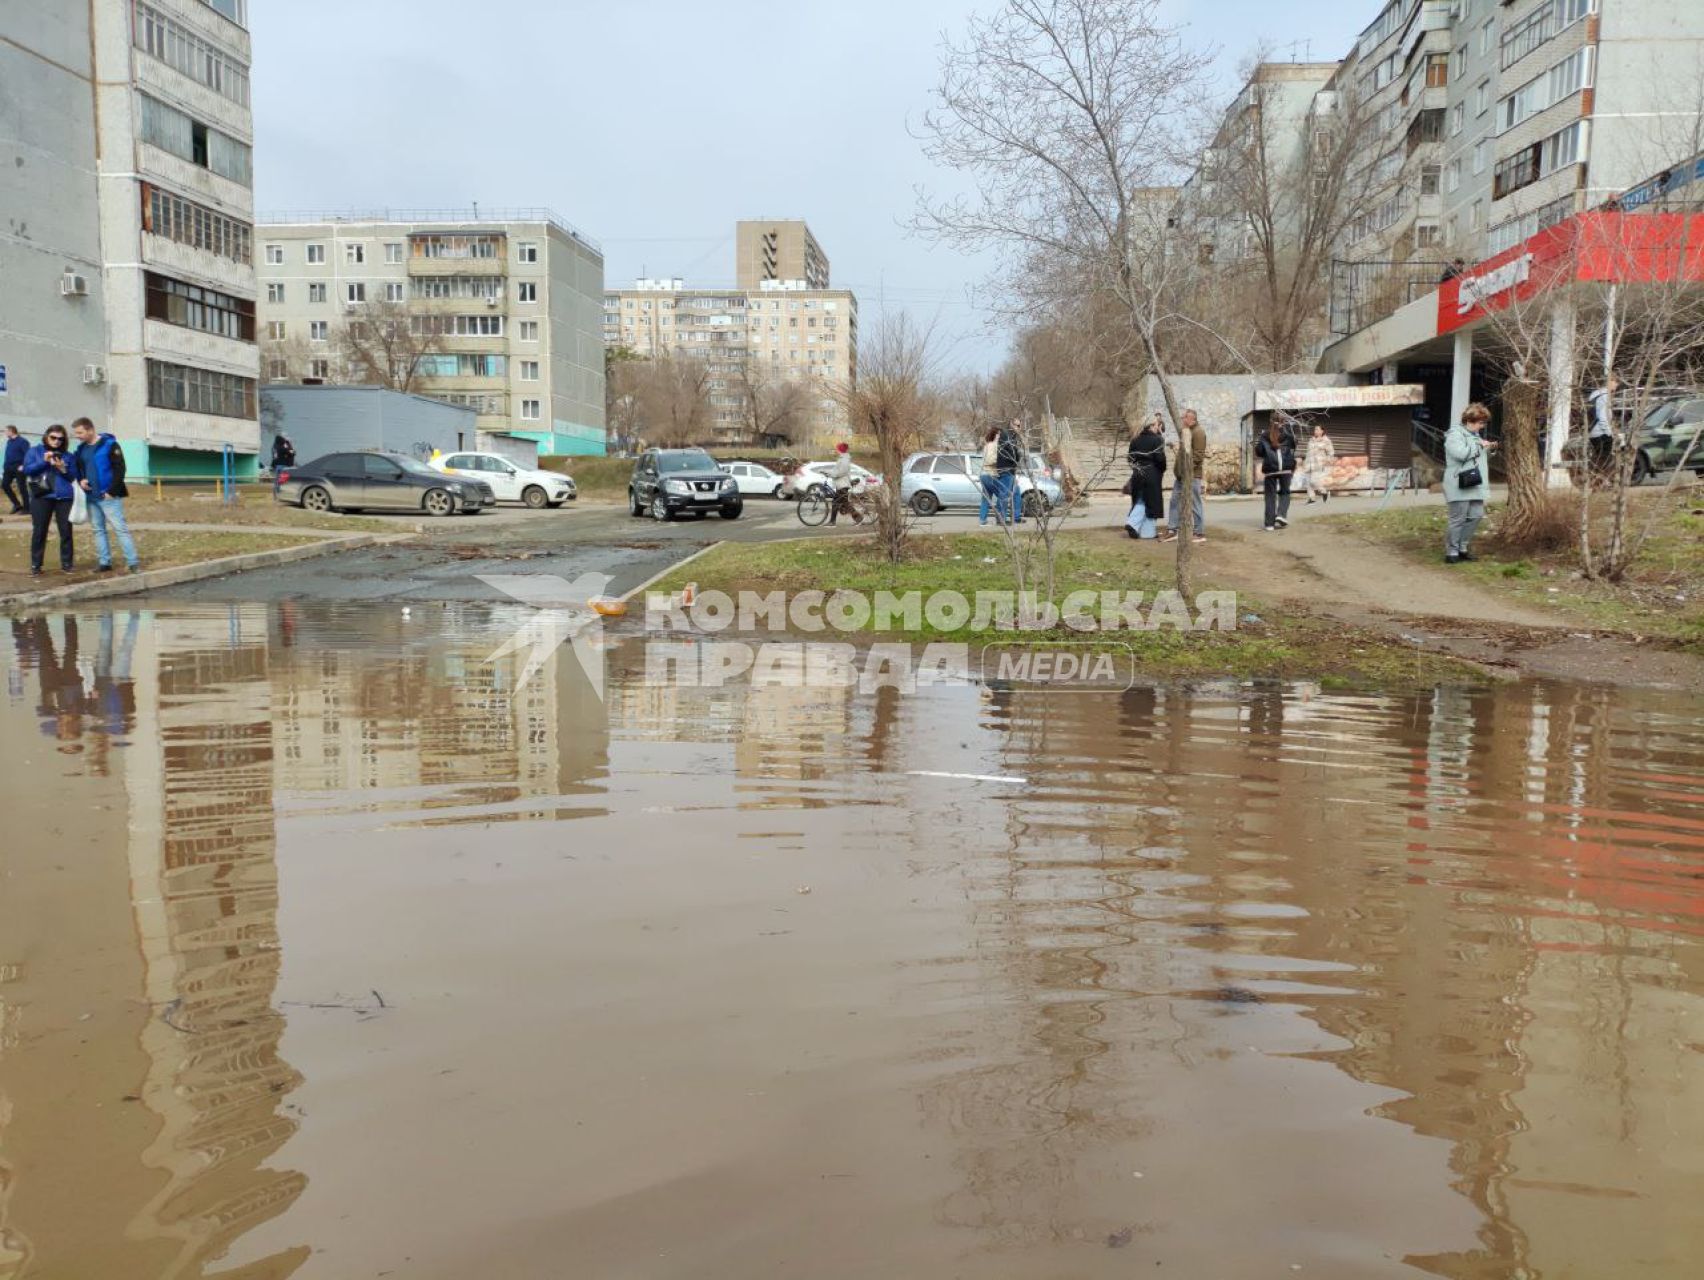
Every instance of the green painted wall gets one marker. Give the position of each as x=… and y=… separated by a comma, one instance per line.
x=148, y=462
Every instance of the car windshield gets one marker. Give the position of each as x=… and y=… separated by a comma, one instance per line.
x=1659, y=417
x=685, y=462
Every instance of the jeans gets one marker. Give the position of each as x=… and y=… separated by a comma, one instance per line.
x=13, y=486
x=1277, y=498
x=1008, y=498
x=45, y=510
x=1464, y=520
x=1176, y=512
x=990, y=494
x=102, y=510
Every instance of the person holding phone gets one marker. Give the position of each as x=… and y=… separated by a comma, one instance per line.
x=1465, y=481
x=51, y=474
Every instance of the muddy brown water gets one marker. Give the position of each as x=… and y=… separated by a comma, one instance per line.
x=321, y=955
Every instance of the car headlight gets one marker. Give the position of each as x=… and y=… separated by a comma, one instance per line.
x=728, y=484
x=676, y=486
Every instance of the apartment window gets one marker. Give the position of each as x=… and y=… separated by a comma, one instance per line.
x=1458, y=116
x=480, y=287
x=457, y=365
x=188, y=139
x=320, y=369
x=1487, y=30
x=189, y=306
x=393, y=251
x=1479, y=150
x=275, y=330
x=1540, y=25
x=1450, y=226
x=235, y=10
x=394, y=291
x=316, y=255
x=529, y=371
x=354, y=255
x=455, y=246
x=526, y=251
x=275, y=293
x=1437, y=70
x=526, y=291
x=277, y=370
x=1452, y=176
x=177, y=386
x=316, y=293
x=274, y=255
x=181, y=49
x=356, y=291
x=1482, y=98
x=531, y=411
x=1541, y=159
x=318, y=330
x=1461, y=62
x=185, y=222
x=1476, y=215
x=1428, y=181
x=484, y=326
x=1543, y=91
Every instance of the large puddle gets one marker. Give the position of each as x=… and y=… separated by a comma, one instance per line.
x=321, y=955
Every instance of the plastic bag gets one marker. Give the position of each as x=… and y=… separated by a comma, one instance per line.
x=79, y=505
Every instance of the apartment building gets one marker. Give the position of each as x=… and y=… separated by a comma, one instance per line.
x=1494, y=119
x=767, y=252
x=511, y=300
x=126, y=258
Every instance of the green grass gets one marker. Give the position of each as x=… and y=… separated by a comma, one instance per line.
x=1287, y=646
x=1662, y=595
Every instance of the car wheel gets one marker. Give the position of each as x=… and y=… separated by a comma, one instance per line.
x=1034, y=504
x=733, y=512
x=315, y=498
x=775, y=492
x=1641, y=467
x=634, y=506
x=438, y=502
x=534, y=497
x=660, y=509
x=925, y=503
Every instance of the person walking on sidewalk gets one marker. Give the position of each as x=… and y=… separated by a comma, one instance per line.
x=100, y=463
x=1198, y=461
x=13, y=483
x=1147, y=458
x=52, y=474
x=1600, y=440
x=989, y=481
x=1276, y=454
x=1008, y=457
x=1316, y=465
x=1465, y=481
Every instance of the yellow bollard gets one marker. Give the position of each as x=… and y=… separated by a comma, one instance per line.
x=159, y=494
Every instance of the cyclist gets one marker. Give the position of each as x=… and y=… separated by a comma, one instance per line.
x=840, y=477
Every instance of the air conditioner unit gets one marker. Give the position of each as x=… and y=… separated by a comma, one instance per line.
x=491, y=302
x=72, y=285
x=93, y=375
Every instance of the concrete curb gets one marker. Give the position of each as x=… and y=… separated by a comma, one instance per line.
x=663, y=573
x=151, y=579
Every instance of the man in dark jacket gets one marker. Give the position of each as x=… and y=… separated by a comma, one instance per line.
x=1008, y=457
x=12, y=484
x=283, y=452
x=101, y=464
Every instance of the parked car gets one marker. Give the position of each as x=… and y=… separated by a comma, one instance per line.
x=510, y=482
x=1669, y=434
x=391, y=481
x=814, y=475
x=754, y=478
x=671, y=482
x=936, y=480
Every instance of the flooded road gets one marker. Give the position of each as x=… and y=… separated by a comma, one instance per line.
x=321, y=955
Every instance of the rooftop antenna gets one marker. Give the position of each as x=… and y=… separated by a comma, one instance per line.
x=476, y=211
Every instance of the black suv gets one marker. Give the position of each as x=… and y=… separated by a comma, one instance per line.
x=670, y=482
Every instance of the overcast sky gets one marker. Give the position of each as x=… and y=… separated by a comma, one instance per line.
x=653, y=125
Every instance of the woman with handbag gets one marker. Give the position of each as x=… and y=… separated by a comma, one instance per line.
x=1464, y=481
x=1147, y=458
x=1275, y=452
x=50, y=471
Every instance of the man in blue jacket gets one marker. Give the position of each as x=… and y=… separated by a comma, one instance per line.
x=100, y=462
x=12, y=482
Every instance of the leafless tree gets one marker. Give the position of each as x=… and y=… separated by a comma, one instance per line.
x=896, y=404
x=1073, y=117
x=776, y=407
x=382, y=343
x=665, y=399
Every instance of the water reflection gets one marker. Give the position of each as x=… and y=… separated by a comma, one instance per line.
x=1236, y=978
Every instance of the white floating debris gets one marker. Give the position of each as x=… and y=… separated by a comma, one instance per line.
x=966, y=777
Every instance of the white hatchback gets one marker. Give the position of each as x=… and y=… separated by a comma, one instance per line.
x=753, y=478
x=511, y=483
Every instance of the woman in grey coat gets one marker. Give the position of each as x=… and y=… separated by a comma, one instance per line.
x=1464, y=455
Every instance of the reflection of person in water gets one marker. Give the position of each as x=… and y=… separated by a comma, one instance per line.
x=115, y=691
x=62, y=697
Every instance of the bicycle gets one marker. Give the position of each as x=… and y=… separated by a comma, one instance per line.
x=818, y=503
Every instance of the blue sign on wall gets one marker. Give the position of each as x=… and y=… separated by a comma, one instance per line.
x=2, y=379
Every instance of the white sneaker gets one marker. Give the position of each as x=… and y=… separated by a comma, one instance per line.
x=1283, y=523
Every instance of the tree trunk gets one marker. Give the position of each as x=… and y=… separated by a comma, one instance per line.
x=1523, y=467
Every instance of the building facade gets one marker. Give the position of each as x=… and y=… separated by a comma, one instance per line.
x=511, y=301
x=767, y=252
x=126, y=250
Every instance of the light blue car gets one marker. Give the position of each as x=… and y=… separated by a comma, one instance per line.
x=934, y=481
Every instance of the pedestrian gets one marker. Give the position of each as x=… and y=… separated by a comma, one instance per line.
x=1455, y=269
x=1147, y=458
x=1276, y=453
x=1600, y=440
x=100, y=464
x=52, y=475
x=13, y=485
x=1464, y=481
x=1316, y=464
x=1008, y=457
x=284, y=453
x=990, y=478
x=840, y=480
x=1198, y=461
